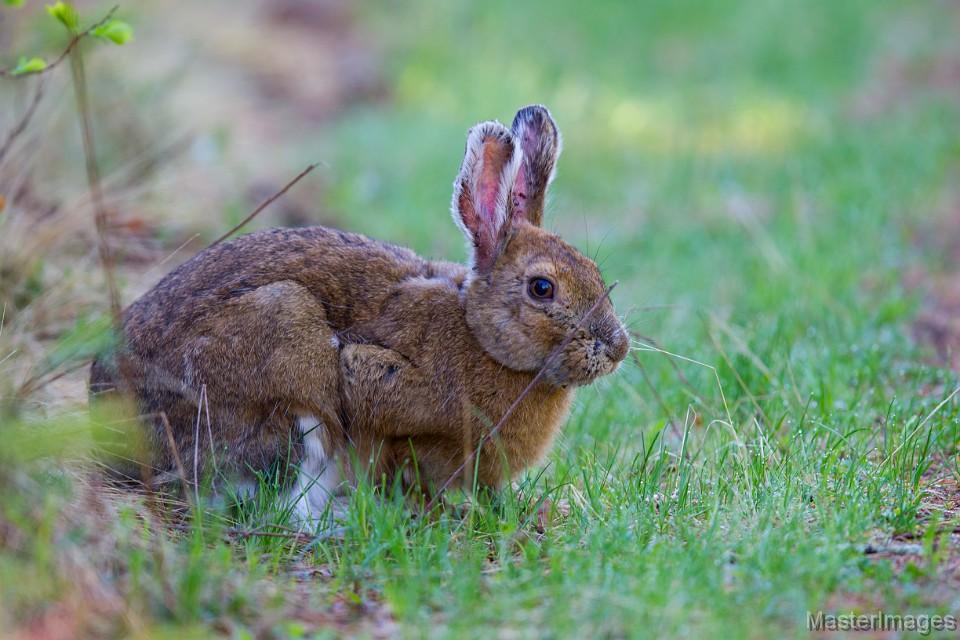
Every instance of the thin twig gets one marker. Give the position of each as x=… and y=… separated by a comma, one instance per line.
x=172, y=443
x=93, y=182
x=8, y=73
x=263, y=205
x=21, y=126
x=523, y=394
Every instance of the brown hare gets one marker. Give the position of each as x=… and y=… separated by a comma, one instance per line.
x=292, y=345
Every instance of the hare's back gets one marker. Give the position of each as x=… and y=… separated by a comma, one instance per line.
x=347, y=272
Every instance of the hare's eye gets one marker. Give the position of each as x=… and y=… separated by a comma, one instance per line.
x=540, y=289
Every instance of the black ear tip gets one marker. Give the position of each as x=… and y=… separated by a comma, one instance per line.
x=535, y=116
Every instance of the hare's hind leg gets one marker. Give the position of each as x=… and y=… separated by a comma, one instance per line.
x=271, y=351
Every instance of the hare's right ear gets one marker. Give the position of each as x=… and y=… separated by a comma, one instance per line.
x=540, y=143
x=481, y=192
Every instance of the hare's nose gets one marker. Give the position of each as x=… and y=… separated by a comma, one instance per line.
x=614, y=338
x=618, y=348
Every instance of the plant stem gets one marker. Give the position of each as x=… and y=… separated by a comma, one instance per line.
x=93, y=180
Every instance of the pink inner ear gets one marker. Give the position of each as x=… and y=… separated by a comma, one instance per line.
x=488, y=185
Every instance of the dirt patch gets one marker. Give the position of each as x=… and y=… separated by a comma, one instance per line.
x=930, y=555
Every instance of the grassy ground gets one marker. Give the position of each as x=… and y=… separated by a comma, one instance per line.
x=756, y=175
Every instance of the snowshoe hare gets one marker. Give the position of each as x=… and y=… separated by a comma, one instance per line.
x=292, y=345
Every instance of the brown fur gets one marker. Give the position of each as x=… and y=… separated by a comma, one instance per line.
x=394, y=353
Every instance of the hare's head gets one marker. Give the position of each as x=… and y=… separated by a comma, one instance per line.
x=528, y=289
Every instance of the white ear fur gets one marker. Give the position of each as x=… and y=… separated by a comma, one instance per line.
x=481, y=215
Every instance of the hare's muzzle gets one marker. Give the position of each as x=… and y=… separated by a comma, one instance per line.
x=610, y=335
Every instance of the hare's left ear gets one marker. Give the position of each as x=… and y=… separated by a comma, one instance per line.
x=540, y=142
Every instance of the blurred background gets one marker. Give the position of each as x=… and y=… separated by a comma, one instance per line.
x=773, y=183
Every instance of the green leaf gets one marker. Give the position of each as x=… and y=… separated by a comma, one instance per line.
x=66, y=14
x=28, y=66
x=13, y=3
x=117, y=31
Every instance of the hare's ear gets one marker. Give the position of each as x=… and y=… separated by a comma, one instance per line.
x=482, y=191
x=540, y=144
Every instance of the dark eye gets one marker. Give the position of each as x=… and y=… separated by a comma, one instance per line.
x=540, y=289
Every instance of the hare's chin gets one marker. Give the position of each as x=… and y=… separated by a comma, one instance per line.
x=583, y=377
x=571, y=379
x=610, y=367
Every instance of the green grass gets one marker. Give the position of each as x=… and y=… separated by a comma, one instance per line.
x=760, y=227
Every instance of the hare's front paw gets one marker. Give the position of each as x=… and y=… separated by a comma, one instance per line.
x=386, y=394
x=368, y=364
